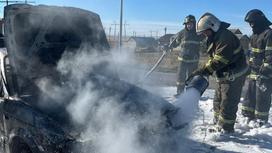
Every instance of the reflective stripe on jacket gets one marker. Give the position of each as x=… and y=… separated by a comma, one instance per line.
x=189, y=43
x=261, y=54
x=226, y=55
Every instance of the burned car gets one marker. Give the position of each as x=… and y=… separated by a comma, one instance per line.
x=60, y=92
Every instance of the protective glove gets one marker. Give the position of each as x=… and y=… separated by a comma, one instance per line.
x=202, y=71
x=166, y=47
x=260, y=83
x=198, y=82
x=265, y=71
x=254, y=67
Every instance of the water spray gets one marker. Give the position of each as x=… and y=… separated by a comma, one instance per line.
x=187, y=102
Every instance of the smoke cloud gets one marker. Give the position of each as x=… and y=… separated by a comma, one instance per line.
x=86, y=86
x=187, y=103
x=109, y=121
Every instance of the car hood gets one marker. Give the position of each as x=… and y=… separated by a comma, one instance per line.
x=43, y=33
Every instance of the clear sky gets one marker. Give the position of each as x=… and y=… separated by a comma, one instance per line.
x=147, y=17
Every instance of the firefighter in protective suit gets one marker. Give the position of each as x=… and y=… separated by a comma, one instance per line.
x=188, y=57
x=258, y=97
x=228, y=61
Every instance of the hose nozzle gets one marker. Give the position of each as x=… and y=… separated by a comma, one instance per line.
x=198, y=82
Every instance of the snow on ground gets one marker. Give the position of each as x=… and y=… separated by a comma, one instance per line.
x=246, y=138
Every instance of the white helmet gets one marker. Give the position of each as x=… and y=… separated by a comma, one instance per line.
x=208, y=21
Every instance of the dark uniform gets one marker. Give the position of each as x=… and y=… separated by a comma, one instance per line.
x=258, y=97
x=188, y=57
x=228, y=61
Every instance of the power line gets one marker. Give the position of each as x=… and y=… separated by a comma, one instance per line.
x=151, y=31
x=134, y=33
x=125, y=25
x=130, y=31
x=25, y=1
x=109, y=32
x=114, y=24
x=121, y=24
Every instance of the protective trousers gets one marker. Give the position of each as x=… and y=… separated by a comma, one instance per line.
x=225, y=104
x=185, y=69
x=258, y=99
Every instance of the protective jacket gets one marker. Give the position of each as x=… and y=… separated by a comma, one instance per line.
x=227, y=58
x=258, y=96
x=228, y=61
x=261, y=55
x=189, y=43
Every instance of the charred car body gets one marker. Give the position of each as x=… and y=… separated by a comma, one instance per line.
x=32, y=120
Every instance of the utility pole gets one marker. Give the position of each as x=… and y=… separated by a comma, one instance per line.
x=109, y=33
x=114, y=24
x=121, y=24
x=125, y=25
x=134, y=34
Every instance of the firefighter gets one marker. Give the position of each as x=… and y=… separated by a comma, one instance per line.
x=227, y=60
x=188, y=57
x=258, y=96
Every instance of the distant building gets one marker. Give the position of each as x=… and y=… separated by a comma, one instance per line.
x=165, y=39
x=141, y=44
x=244, y=39
x=236, y=31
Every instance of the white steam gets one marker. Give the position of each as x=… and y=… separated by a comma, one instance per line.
x=81, y=104
x=106, y=123
x=107, y=126
x=128, y=67
x=187, y=103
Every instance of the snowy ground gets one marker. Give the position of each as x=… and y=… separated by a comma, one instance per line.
x=246, y=138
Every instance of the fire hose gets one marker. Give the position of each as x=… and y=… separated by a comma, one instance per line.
x=156, y=64
x=166, y=49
